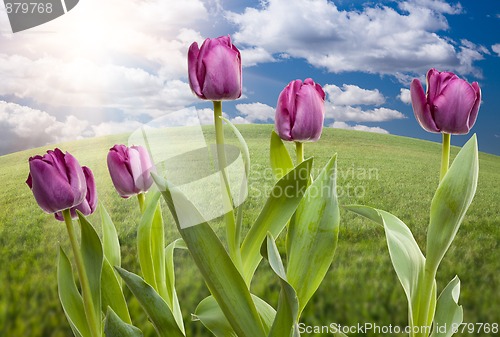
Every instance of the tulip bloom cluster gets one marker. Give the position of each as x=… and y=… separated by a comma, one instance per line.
x=62, y=187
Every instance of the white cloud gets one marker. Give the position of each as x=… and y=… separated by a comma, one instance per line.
x=252, y=56
x=353, y=95
x=376, y=39
x=256, y=112
x=342, y=125
x=356, y=114
x=404, y=95
x=23, y=127
x=496, y=48
x=239, y=120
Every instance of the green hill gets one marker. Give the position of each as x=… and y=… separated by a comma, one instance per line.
x=393, y=173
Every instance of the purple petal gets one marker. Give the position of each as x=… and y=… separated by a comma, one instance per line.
x=76, y=178
x=120, y=174
x=50, y=189
x=285, y=110
x=436, y=82
x=421, y=108
x=310, y=112
x=453, y=107
x=222, y=73
x=146, y=166
x=194, y=83
x=475, y=108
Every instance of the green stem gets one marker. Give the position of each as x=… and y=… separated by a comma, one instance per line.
x=425, y=316
x=82, y=275
x=232, y=232
x=141, y=198
x=299, y=150
x=445, y=156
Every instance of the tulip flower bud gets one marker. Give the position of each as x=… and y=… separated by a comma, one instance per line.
x=88, y=204
x=450, y=105
x=300, y=111
x=130, y=169
x=215, y=69
x=57, y=181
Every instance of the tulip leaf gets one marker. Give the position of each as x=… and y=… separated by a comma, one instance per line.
x=112, y=295
x=448, y=313
x=281, y=162
x=313, y=235
x=155, y=307
x=221, y=276
x=210, y=314
x=280, y=206
x=286, y=320
x=406, y=256
x=92, y=254
x=172, y=299
x=244, y=146
x=451, y=201
x=115, y=327
x=70, y=298
x=110, y=242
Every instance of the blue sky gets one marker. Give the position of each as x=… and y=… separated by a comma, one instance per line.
x=107, y=67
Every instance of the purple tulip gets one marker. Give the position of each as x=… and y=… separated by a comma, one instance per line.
x=450, y=106
x=300, y=111
x=130, y=169
x=57, y=181
x=215, y=69
x=88, y=204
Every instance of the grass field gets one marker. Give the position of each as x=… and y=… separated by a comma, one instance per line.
x=393, y=173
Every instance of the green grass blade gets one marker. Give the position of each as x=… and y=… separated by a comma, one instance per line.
x=406, y=256
x=221, y=276
x=110, y=242
x=172, y=299
x=92, y=254
x=285, y=323
x=281, y=162
x=144, y=240
x=448, y=312
x=112, y=295
x=279, y=208
x=155, y=307
x=70, y=298
x=451, y=201
x=313, y=235
x=115, y=327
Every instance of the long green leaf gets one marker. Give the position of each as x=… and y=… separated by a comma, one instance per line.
x=115, y=327
x=172, y=299
x=286, y=320
x=448, y=312
x=70, y=298
x=281, y=162
x=155, y=307
x=451, y=201
x=112, y=295
x=280, y=206
x=406, y=256
x=110, y=242
x=92, y=254
x=313, y=235
x=221, y=276
x=210, y=314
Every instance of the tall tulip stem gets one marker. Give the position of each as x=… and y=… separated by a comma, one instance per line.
x=445, y=157
x=82, y=275
x=141, y=198
x=232, y=232
x=299, y=150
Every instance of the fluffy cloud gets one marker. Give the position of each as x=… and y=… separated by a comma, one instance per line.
x=496, y=48
x=353, y=95
x=255, y=112
x=23, y=127
x=404, y=96
x=356, y=114
x=358, y=127
x=358, y=40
